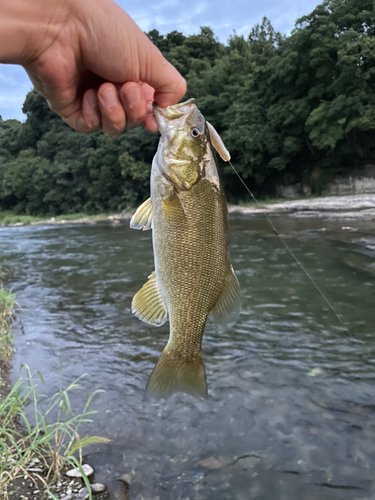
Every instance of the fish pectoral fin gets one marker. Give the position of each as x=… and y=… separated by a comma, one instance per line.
x=148, y=305
x=228, y=306
x=142, y=219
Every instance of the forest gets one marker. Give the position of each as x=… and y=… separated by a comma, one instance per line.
x=297, y=108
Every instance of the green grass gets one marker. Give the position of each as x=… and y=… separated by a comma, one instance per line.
x=7, y=302
x=8, y=217
x=54, y=441
x=53, y=438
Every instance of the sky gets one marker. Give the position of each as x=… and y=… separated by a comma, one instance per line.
x=223, y=16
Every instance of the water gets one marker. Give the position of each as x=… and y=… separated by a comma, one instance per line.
x=291, y=409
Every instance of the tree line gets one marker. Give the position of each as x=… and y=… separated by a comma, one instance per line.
x=297, y=108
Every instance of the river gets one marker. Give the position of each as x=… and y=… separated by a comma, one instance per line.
x=291, y=408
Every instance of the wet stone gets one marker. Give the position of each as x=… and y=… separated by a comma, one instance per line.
x=83, y=494
x=213, y=462
x=67, y=497
x=87, y=469
x=98, y=487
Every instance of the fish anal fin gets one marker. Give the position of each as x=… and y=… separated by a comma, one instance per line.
x=148, y=305
x=228, y=306
x=173, y=374
x=142, y=219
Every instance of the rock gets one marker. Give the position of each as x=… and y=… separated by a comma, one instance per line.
x=83, y=494
x=95, y=488
x=122, y=492
x=67, y=497
x=87, y=469
x=128, y=478
x=315, y=372
x=213, y=462
x=98, y=487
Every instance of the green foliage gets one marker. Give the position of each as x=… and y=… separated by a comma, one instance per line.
x=7, y=302
x=53, y=437
x=286, y=107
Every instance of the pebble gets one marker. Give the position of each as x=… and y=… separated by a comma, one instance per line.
x=83, y=494
x=95, y=488
x=87, y=469
x=98, y=487
x=213, y=462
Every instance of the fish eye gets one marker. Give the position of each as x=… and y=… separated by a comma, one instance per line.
x=195, y=132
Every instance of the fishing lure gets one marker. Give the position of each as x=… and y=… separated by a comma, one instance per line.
x=217, y=143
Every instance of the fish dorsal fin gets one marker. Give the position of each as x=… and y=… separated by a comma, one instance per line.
x=142, y=219
x=228, y=305
x=217, y=143
x=148, y=305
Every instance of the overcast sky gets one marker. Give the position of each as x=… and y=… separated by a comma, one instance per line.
x=223, y=16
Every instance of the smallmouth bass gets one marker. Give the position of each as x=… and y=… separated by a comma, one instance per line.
x=193, y=277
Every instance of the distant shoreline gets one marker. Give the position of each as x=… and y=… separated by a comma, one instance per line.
x=359, y=206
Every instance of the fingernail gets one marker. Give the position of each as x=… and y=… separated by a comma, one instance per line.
x=149, y=109
x=110, y=97
x=92, y=98
x=133, y=96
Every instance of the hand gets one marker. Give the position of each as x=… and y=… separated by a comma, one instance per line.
x=96, y=68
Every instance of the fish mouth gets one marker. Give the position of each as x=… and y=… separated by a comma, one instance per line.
x=164, y=115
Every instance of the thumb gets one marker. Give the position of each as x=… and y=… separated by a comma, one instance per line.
x=155, y=70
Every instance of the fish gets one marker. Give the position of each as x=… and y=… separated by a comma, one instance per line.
x=193, y=277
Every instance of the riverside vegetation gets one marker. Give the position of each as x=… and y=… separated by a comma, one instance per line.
x=52, y=440
x=296, y=108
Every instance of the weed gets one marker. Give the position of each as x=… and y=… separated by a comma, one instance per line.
x=7, y=302
x=53, y=438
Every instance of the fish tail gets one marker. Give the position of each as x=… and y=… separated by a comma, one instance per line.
x=173, y=373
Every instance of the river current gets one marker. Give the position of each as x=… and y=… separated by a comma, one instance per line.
x=291, y=408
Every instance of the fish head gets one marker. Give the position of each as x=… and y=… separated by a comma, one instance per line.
x=183, y=143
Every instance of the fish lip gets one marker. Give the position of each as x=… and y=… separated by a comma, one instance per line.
x=157, y=112
x=162, y=114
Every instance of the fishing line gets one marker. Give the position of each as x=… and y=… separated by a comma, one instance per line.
x=293, y=254
x=219, y=145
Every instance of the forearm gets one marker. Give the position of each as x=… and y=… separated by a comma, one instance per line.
x=28, y=27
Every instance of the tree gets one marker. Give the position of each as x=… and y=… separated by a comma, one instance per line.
x=288, y=108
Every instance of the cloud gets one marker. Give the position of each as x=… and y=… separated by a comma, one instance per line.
x=14, y=85
x=223, y=16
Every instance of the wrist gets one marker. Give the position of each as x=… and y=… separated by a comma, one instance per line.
x=29, y=27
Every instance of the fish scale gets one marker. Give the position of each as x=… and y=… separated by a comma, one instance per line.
x=193, y=241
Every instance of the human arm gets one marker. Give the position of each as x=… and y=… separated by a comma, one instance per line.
x=92, y=63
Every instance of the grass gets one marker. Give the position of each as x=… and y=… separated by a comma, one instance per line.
x=7, y=303
x=8, y=217
x=53, y=438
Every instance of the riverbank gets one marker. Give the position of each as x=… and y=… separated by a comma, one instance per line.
x=9, y=219
x=358, y=206
x=37, y=459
